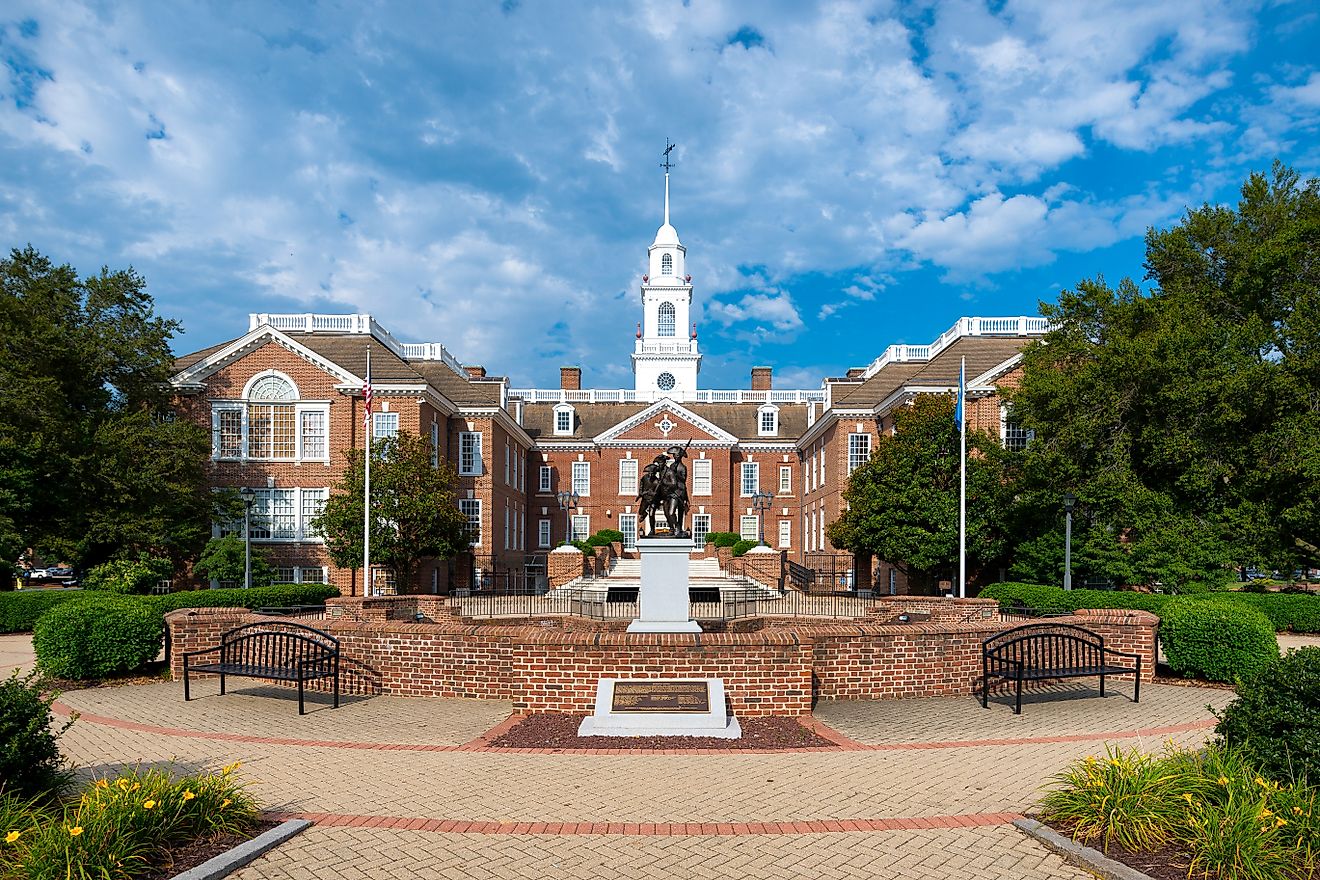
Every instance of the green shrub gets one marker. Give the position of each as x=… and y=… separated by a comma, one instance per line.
x=98, y=637
x=225, y=559
x=723, y=539
x=1287, y=611
x=19, y=611
x=597, y=540
x=128, y=575
x=610, y=535
x=1275, y=719
x=30, y=762
x=742, y=547
x=1216, y=640
x=279, y=596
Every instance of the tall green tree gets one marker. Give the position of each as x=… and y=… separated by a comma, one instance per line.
x=1186, y=416
x=91, y=466
x=902, y=504
x=415, y=511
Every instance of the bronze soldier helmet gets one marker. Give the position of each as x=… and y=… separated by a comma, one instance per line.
x=676, y=452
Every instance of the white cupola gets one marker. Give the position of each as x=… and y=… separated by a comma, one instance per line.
x=665, y=357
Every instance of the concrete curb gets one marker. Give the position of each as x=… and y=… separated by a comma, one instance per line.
x=228, y=862
x=1075, y=853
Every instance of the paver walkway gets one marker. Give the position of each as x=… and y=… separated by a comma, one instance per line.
x=408, y=787
x=15, y=654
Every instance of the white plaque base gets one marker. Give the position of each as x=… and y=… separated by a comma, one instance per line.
x=714, y=723
x=663, y=596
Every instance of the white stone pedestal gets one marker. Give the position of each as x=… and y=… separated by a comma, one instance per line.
x=663, y=598
x=658, y=716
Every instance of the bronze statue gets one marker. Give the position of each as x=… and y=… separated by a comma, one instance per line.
x=663, y=488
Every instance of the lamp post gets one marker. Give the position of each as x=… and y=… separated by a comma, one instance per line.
x=1069, y=500
x=568, y=502
x=761, y=503
x=248, y=495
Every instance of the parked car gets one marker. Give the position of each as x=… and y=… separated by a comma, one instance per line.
x=37, y=574
x=59, y=572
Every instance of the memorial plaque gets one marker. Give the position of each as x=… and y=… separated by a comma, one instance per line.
x=661, y=696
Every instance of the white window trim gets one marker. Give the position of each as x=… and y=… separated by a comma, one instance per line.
x=785, y=479
x=561, y=409
x=746, y=467
x=703, y=464
x=755, y=522
x=475, y=469
x=785, y=534
x=585, y=468
x=302, y=531
x=242, y=408
x=628, y=484
x=545, y=478
x=468, y=513
x=761, y=413
x=586, y=532
x=866, y=455
x=699, y=535
x=543, y=534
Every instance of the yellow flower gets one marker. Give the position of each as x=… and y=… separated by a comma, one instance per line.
x=230, y=768
x=1280, y=822
x=1260, y=781
x=188, y=795
x=1297, y=811
x=147, y=805
x=122, y=783
x=224, y=803
x=75, y=830
x=101, y=783
x=136, y=786
x=1187, y=796
x=1265, y=814
x=1223, y=780
x=12, y=836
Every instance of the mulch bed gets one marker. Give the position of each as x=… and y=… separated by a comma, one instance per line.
x=555, y=731
x=193, y=854
x=1168, y=862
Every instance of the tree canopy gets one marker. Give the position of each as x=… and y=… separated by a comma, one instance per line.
x=415, y=511
x=902, y=504
x=1185, y=416
x=92, y=466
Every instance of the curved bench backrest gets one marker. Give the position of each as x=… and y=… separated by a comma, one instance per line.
x=280, y=646
x=1047, y=646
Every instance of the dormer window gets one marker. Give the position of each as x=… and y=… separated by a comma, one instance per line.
x=665, y=324
x=563, y=419
x=768, y=421
x=667, y=264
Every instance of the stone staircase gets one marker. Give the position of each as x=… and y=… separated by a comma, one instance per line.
x=703, y=573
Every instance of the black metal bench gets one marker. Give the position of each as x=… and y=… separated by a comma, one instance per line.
x=280, y=651
x=1045, y=651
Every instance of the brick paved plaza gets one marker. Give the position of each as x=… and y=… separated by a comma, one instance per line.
x=408, y=787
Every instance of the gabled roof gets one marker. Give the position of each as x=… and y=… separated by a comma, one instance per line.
x=615, y=433
x=590, y=420
x=984, y=354
x=199, y=365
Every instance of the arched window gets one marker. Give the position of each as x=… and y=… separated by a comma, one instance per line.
x=272, y=388
x=667, y=264
x=665, y=325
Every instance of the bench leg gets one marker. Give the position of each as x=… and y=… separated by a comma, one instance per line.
x=1136, y=684
x=300, y=697
x=185, y=680
x=1017, y=707
x=336, y=686
x=222, y=681
x=985, y=682
x=1102, y=684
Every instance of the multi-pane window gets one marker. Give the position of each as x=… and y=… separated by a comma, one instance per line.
x=313, y=503
x=271, y=430
x=1011, y=433
x=564, y=420
x=701, y=476
x=229, y=433
x=748, y=527
x=507, y=534
x=384, y=425
x=813, y=472
x=469, y=454
x=313, y=433
x=508, y=464
x=700, y=529
x=581, y=527
x=859, y=450
x=785, y=479
x=281, y=515
x=785, y=533
x=543, y=483
x=471, y=508
x=667, y=264
x=582, y=478
x=286, y=575
x=666, y=323
x=543, y=533
x=311, y=575
x=435, y=444
x=628, y=525
x=769, y=421
x=628, y=477
x=751, y=477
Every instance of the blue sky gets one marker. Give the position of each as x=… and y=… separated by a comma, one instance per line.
x=486, y=174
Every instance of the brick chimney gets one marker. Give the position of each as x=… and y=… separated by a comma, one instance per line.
x=856, y=372
x=475, y=371
x=570, y=378
x=761, y=378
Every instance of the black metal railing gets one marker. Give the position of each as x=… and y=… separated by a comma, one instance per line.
x=704, y=605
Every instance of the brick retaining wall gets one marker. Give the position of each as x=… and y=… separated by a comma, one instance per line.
x=777, y=670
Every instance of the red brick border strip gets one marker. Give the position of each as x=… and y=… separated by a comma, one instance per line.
x=482, y=743
x=651, y=829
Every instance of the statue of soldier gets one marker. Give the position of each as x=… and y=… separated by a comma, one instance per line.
x=649, y=492
x=673, y=490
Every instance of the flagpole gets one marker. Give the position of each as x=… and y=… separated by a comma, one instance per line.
x=366, y=489
x=962, y=481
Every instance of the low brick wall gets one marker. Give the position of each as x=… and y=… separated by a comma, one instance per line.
x=780, y=669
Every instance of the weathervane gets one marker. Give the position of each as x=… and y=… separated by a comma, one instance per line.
x=669, y=148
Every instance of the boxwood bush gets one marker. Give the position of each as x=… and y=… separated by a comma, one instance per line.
x=610, y=535
x=741, y=547
x=19, y=610
x=30, y=762
x=95, y=638
x=129, y=575
x=1215, y=640
x=1275, y=719
x=723, y=539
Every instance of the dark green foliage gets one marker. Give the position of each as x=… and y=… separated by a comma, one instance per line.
x=94, y=472
x=1275, y=719
x=279, y=596
x=98, y=637
x=30, y=762
x=742, y=547
x=19, y=610
x=610, y=535
x=1287, y=611
x=137, y=576
x=224, y=560
x=902, y=505
x=1215, y=640
x=415, y=511
x=723, y=539
x=598, y=540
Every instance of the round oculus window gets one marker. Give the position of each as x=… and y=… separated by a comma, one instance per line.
x=666, y=381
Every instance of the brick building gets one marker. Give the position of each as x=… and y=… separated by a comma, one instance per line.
x=284, y=401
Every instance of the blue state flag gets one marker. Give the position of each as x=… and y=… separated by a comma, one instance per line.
x=962, y=393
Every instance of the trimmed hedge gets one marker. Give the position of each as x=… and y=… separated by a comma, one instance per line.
x=1219, y=642
x=1275, y=719
x=19, y=610
x=723, y=539
x=1286, y=611
x=741, y=548
x=96, y=638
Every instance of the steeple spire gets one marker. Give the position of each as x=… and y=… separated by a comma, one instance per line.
x=666, y=198
x=667, y=164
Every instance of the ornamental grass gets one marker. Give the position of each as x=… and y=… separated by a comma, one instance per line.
x=1214, y=805
x=122, y=827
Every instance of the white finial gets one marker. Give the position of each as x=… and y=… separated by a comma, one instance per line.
x=666, y=198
